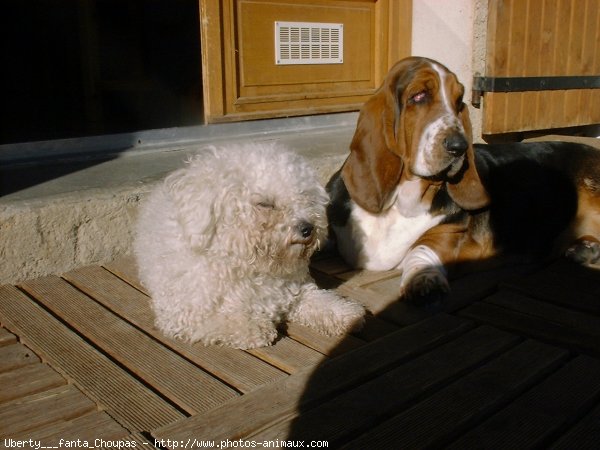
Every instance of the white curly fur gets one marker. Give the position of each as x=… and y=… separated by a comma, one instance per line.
x=220, y=247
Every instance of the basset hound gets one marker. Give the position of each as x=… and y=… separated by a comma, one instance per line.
x=415, y=194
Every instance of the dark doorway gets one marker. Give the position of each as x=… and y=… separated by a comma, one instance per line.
x=88, y=67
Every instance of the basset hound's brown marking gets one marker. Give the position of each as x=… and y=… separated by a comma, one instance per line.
x=417, y=195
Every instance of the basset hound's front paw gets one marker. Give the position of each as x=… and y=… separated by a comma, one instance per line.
x=584, y=251
x=425, y=286
x=423, y=277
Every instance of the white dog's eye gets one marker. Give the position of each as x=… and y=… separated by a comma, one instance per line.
x=265, y=204
x=261, y=201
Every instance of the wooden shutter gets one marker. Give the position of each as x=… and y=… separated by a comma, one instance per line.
x=547, y=39
x=243, y=81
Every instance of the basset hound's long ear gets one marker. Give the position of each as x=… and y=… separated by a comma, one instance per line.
x=468, y=191
x=372, y=171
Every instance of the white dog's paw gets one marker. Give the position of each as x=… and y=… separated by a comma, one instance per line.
x=327, y=312
x=252, y=337
x=244, y=333
x=428, y=285
x=348, y=316
x=584, y=251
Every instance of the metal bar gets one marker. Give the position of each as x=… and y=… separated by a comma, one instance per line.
x=519, y=84
x=522, y=84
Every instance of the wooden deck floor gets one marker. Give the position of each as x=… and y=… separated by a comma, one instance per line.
x=511, y=360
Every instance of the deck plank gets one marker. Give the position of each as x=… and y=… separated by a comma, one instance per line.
x=585, y=323
x=557, y=286
x=192, y=390
x=463, y=291
x=330, y=264
x=327, y=345
x=15, y=356
x=567, y=268
x=89, y=427
x=288, y=355
x=47, y=407
x=126, y=269
x=127, y=399
x=535, y=417
x=375, y=328
x=365, y=278
x=332, y=273
x=256, y=410
x=445, y=414
x=364, y=406
x=375, y=302
x=141, y=441
x=6, y=337
x=536, y=327
x=235, y=367
x=28, y=380
x=583, y=435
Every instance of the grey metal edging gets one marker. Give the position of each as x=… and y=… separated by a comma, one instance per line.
x=157, y=140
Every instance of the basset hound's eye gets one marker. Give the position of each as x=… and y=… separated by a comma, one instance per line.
x=419, y=97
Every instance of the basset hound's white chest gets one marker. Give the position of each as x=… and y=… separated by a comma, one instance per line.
x=381, y=241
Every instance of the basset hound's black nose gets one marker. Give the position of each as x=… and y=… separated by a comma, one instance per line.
x=456, y=144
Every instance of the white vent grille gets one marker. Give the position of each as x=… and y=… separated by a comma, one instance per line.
x=309, y=43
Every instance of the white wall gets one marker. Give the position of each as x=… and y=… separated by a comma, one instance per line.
x=453, y=33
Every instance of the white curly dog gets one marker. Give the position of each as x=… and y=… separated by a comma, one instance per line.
x=223, y=247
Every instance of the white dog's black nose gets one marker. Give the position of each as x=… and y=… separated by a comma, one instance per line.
x=456, y=144
x=306, y=229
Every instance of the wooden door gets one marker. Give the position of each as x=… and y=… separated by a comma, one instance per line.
x=243, y=79
x=540, y=41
